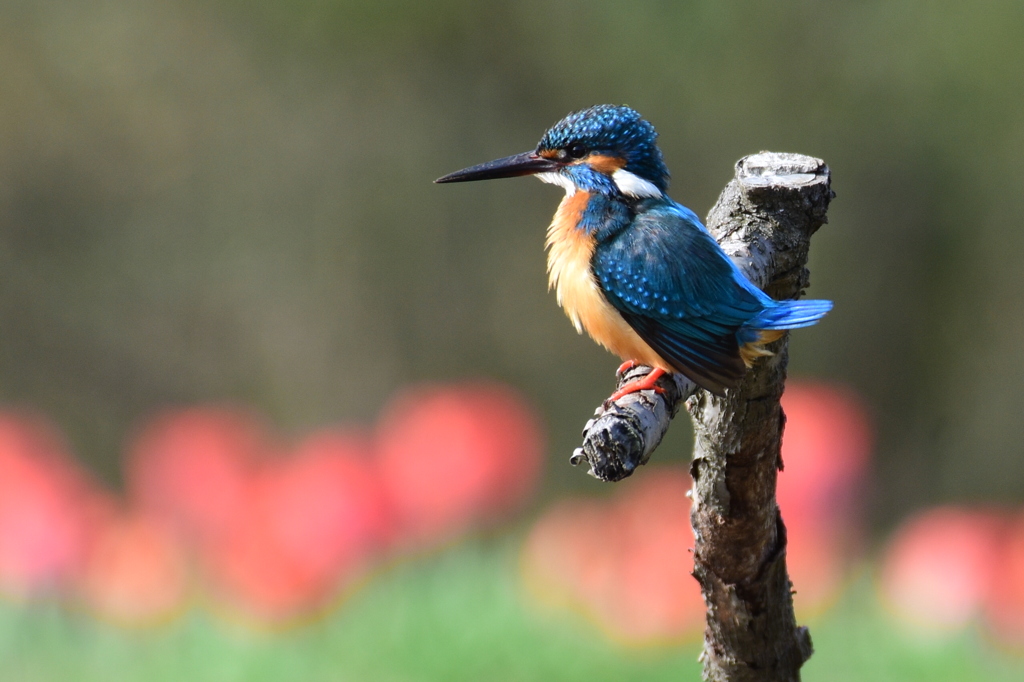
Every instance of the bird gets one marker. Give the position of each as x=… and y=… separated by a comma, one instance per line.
x=637, y=271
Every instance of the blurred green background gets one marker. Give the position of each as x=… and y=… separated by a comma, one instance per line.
x=227, y=200
x=233, y=200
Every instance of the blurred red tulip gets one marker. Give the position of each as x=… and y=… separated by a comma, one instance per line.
x=566, y=559
x=826, y=450
x=45, y=508
x=826, y=447
x=453, y=456
x=818, y=560
x=660, y=598
x=249, y=572
x=135, y=573
x=277, y=536
x=192, y=468
x=625, y=563
x=328, y=509
x=939, y=566
x=1004, y=601
x=313, y=521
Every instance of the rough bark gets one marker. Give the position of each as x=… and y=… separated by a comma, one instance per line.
x=763, y=220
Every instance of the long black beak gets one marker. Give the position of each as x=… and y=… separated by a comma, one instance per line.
x=527, y=163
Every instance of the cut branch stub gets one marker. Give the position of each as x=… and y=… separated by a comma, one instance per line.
x=622, y=434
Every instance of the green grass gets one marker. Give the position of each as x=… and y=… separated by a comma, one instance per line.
x=455, y=617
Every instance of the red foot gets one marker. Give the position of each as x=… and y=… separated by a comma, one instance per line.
x=644, y=384
x=625, y=367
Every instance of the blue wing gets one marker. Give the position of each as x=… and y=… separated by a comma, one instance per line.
x=674, y=286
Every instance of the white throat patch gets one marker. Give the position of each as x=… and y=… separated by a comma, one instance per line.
x=558, y=179
x=633, y=185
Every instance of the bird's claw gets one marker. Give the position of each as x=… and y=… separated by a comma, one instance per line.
x=647, y=383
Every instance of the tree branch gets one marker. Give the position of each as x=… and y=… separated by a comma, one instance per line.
x=763, y=220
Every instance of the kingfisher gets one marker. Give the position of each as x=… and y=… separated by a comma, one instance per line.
x=637, y=271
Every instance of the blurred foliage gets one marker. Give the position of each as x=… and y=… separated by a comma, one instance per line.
x=231, y=201
x=458, y=616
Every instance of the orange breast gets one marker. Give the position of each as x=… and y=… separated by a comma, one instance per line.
x=569, y=253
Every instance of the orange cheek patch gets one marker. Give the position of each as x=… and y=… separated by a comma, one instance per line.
x=605, y=164
x=548, y=153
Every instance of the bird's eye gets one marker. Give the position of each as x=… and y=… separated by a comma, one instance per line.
x=577, y=150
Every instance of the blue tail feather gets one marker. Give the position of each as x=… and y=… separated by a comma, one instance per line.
x=790, y=315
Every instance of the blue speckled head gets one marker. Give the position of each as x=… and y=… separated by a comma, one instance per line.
x=609, y=130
